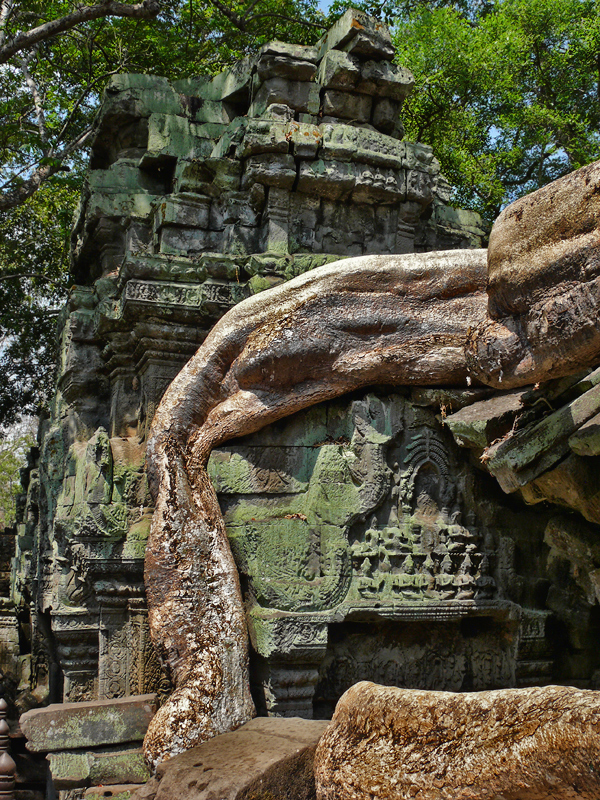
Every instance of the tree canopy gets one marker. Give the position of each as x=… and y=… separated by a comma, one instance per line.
x=507, y=93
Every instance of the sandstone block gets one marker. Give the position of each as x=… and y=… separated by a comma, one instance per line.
x=141, y=95
x=177, y=137
x=385, y=80
x=267, y=757
x=282, y=60
x=300, y=95
x=573, y=483
x=124, y=175
x=359, y=34
x=419, y=186
x=529, y=453
x=232, y=84
x=270, y=170
x=182, y=241
x=420, y=156
x=586, y=440
x=344, y=105
x=479, y=424
x=263, y=136
x=186, y=210
x=338, y=70
x=386, y=115
x=67, y=726
x=305, y=139
x=71, y=769
x=330, y=179
x=349, y=143
x=399, y=744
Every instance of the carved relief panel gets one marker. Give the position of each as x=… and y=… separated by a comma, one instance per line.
x=364, y=512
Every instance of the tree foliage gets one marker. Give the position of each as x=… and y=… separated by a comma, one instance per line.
x=507, y=91
x=15, y=441
x=34, y=278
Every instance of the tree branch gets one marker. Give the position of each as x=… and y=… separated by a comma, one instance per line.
x=304, y=22
x=37, y=101
x=19, y=275
x=5, y=12
x=25, y=41
x=16, y=195
x=234, y=18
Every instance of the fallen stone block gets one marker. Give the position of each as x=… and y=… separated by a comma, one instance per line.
x=400, y=744
x=572, y=483
x=268, y=757
x=76, y=769
x=525, y=456
x=480, y=424
x=69, y=726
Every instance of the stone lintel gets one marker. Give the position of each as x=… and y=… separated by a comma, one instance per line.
x=69, y=726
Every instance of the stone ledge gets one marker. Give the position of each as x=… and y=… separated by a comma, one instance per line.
x=70, y=726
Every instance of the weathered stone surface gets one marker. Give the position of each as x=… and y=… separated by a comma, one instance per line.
x=572, y=540
x=572, y=483
x=116, y=792
x=338, y=70
x=346, y=105
x=282, y=60
x=303, y=97
x=76, y=725
x=263, y=758
x=519, y=459
x=544, y=285
x=586, y=440
x=192, y=205
x=385, y=80
x=480, y=424
x=75, y=768
x=359, y=34
x=385, y=742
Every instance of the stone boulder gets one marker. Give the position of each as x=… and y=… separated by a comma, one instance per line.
x=530, y=744
x=268, y=758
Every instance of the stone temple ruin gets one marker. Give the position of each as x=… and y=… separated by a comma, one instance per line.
x=371, y=540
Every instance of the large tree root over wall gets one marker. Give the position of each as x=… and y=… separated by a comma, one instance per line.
x=415, y=319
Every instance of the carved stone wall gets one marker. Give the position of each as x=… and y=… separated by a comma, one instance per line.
x=370, y=548
x=368, y=544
